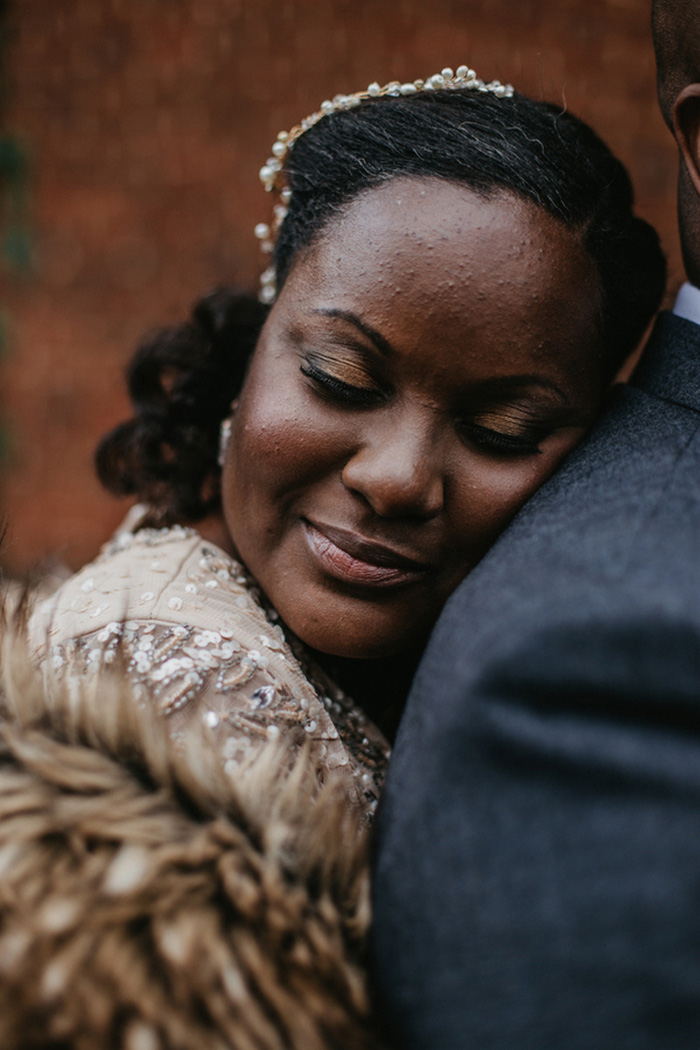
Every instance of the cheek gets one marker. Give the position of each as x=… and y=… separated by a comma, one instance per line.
x=280, y=446
x=492, y=493
x=491, y=497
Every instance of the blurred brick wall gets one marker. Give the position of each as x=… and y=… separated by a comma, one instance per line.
x=146, y=122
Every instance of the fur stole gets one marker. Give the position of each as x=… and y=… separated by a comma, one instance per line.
x=150, y=901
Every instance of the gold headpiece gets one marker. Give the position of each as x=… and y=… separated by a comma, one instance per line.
x=272, y=172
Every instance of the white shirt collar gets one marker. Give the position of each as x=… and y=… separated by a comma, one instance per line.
x=687, y=303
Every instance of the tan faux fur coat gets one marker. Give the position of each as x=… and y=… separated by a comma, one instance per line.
x=150, y=901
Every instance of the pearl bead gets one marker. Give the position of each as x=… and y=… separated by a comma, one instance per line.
x=464, y=78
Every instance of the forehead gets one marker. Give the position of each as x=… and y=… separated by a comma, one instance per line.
x=427, y=259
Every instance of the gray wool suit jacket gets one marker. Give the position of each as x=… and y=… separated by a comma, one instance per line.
x=537, y=876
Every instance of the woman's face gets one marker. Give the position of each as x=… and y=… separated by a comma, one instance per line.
x=431, y=359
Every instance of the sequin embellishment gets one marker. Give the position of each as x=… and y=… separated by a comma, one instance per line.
x=197, y=640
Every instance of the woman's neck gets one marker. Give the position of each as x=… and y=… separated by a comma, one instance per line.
x=380, y=687
x=213, y=528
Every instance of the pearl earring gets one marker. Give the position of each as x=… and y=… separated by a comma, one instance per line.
x=224, y=438
x=225, y=434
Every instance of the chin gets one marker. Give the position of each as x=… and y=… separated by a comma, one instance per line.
x=356, y=641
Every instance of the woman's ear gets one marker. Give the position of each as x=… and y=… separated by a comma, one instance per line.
x=686, y=128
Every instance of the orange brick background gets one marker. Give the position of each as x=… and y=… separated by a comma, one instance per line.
x=146, y=122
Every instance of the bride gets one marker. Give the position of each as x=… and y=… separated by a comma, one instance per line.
x=457, y=275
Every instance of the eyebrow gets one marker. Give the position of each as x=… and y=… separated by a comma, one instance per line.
x=510, y=384
x=382, y=344
x=494, y=386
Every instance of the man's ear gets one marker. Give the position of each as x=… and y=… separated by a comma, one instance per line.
x=686, y=128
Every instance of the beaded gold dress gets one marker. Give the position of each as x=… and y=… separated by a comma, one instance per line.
x=199, y=642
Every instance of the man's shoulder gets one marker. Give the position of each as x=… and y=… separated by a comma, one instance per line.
x=610, y=545
x=644, y=448
x=669, y=368
x=628, y=496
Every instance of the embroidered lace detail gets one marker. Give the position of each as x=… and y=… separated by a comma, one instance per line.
x=191, y=629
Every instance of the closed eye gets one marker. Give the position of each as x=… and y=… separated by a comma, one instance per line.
x=335, y=389
x=488, y=440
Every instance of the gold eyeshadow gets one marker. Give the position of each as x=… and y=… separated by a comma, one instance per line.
x=341, y=365
x=512, y=421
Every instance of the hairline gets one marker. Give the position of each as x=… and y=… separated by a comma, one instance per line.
x=485, y=193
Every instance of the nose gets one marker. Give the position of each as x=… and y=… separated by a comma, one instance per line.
x=399, y=471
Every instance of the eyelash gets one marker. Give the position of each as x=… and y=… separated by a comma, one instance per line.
x=336, y=389
x=483, y=437
x=493, y=441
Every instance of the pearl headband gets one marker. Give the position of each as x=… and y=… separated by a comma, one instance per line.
x=272, y=173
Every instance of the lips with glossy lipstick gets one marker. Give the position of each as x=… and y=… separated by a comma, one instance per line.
x=354, y=559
